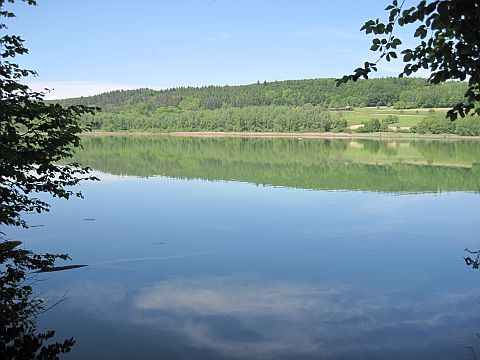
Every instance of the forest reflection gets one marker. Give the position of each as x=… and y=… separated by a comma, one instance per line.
x=319, y=164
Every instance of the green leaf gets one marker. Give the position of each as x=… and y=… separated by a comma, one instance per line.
x=407, y=57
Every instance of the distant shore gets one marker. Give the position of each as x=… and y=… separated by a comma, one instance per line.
x=325, y=135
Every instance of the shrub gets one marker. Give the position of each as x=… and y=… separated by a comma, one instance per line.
x=372, y=125
x=384, y=125
x=435, y=125
x=392, y=119
x=469, y=126
x=339, y=124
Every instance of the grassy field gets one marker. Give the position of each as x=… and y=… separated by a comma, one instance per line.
x=409, y=117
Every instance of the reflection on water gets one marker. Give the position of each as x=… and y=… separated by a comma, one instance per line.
x=386, y=166
x=20, y=306
x=182, y=268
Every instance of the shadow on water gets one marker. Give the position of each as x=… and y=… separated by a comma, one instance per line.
x=20, y=307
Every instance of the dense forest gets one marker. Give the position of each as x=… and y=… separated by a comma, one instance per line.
x=385, y=166
x=283, y=106
x=401, y=92
x=253, y=118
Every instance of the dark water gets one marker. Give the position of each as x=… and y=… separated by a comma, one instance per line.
x=267, y=249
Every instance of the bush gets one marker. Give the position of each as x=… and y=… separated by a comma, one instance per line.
x=468, y=126
x=384, y=125
x=372, y=125
x=339, y=124
x=435, y=125
x=392, y=119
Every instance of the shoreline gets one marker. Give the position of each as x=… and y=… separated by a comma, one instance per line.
x=299, y=136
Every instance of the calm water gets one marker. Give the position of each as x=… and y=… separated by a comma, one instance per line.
x=267, y=249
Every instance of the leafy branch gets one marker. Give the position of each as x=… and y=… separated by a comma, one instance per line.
x=451, y=51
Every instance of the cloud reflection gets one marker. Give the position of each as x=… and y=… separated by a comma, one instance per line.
x=287, y=317
x=222, y=296
x=254, y=318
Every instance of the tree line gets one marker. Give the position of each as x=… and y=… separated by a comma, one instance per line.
x=280, y=106
x=253, y=118
x=398, y=92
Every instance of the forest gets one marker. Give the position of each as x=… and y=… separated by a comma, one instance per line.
x=315, y=105
x=397, y=92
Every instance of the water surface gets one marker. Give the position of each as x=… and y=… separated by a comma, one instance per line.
x=267, y=249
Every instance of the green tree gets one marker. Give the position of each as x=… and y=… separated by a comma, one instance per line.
x=372, y=125
x=34, y=137
x=434, y=124
x=448, y=33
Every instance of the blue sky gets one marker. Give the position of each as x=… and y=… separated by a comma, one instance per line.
x=85, y=47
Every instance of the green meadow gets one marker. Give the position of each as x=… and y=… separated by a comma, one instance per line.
x=407, y=117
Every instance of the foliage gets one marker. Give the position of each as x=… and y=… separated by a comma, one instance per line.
x=384, y=125
x=339, y=124
x=34, y=136
x=189, y=103
x=448, y=35
x=391, y=119
x=435, y=125
x=19, y=307
x=293, y=93
x=440, y=95
x=253, y=118
x=278, y=106
x=372, y=125
x=468, y=126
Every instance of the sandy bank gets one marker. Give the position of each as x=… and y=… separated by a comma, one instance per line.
x=328, y=135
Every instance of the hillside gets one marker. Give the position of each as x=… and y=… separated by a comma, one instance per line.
x=402, y=93
x=283, y=106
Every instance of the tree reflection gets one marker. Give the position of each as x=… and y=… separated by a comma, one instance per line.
x=20, y=307
x=398, y=166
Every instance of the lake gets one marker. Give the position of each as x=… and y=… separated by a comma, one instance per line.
x=216, y=248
